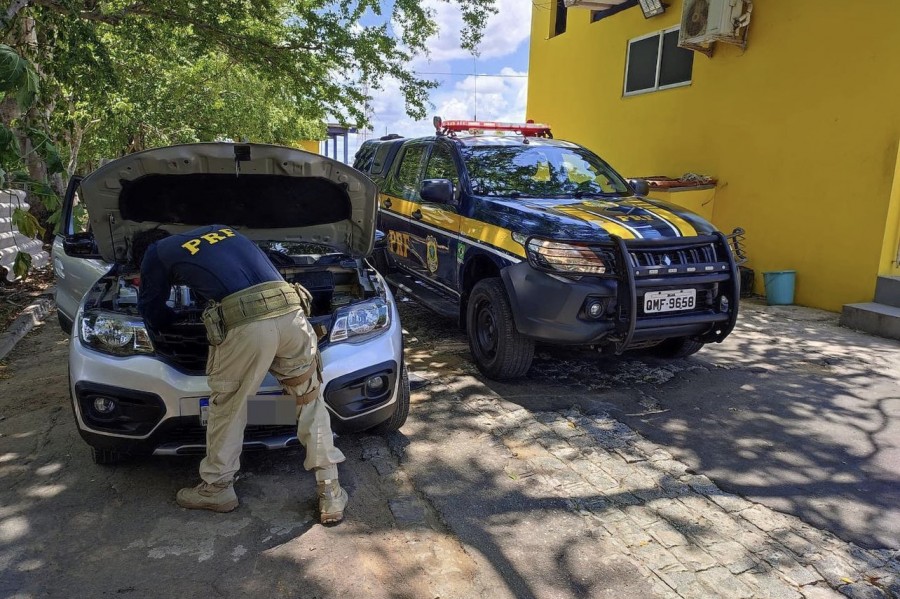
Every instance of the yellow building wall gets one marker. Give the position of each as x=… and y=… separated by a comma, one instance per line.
x=801, y=128
x=310, y=145
x=890, y=251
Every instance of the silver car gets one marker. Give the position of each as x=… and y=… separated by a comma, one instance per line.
x=141, y=391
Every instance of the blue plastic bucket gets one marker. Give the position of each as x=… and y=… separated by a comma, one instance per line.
x=780, y=287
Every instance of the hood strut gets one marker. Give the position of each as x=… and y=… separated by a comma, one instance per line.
x=241, y=154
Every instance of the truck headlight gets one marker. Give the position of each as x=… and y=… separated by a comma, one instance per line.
x=116, y=334
x=564, y=257
x=361, y=320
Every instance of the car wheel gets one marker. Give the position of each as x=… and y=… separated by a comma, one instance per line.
x=401, y=411
x=680, y=347
x=500, y=351
x=105, y=457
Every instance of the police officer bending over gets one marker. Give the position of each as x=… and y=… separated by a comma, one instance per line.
x=256, y=325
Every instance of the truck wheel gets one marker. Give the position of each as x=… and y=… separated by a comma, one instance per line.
x=401, y=411
x=500, y=351
x=680, y=347
x=105, y=457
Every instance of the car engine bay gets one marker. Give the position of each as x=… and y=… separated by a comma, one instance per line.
x=335, y=281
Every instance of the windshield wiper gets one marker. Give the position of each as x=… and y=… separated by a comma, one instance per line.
x=509, y=194
x=595, y=194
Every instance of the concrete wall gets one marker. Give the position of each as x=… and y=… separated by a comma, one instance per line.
x=801, y=128
x=11, y=241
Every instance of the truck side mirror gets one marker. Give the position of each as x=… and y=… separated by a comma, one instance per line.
x=437, y=191
x=640, y=186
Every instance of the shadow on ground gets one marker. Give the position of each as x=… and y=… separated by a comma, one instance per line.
x=791, y=411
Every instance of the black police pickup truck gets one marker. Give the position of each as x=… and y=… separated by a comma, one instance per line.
x=524, y=239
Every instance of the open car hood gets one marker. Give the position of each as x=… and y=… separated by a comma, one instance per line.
x=264, y=192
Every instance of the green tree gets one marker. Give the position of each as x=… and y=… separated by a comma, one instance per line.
x=81, y=80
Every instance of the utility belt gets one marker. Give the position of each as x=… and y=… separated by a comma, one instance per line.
x=266, y=300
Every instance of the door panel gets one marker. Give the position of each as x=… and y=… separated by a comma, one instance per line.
x=395, y=204
x=434, y=227
x=74, y=275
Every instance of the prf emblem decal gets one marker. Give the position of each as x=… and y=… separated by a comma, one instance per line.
x=431, y=253
x=460, y=252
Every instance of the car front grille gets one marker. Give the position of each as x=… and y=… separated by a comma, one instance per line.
x=197, y=434
x=184, y=346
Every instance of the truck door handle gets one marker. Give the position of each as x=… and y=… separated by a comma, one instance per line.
x=417, y=215
x=386, y=204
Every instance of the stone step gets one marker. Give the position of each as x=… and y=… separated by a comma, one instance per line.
x=877, y=319
x=887, y=291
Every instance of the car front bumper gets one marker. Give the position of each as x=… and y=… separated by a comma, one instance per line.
x=158, y=406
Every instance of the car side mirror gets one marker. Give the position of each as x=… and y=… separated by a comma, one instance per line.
x=81, y=245
x=640, y=186
x=437, y=191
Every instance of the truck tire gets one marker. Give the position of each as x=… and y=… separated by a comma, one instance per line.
x=499, y=350
x=680, y=347
x=401, y=411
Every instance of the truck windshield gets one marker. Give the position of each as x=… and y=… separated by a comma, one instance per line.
x=540, y=172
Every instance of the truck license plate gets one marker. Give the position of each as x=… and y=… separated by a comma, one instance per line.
x=669, y=301
x=204, y=412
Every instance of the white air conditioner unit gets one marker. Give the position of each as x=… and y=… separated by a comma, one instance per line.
x=593, y=4
x=706, y=21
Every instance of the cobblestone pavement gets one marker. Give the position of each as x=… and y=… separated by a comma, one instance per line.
x=684, y=534
x=489, y=492
x=687, y=537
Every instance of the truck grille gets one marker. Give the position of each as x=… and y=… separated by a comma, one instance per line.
x=703, y=254
x=675, y=259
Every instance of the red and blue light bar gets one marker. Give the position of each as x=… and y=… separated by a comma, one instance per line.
x=527, y=129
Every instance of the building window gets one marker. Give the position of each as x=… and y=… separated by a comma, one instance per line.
x=596, y=15
x=656, y=62
x=558, y=17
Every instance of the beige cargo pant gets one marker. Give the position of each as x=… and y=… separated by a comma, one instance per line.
x=286, y=347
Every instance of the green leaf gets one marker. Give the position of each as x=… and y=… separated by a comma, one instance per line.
x=6, y=138
x=17, y=76
x=27, y=224
x=22, y=264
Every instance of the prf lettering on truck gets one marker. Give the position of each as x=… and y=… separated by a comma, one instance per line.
x=398, y=243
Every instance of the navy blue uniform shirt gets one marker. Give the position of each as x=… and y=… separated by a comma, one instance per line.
x=213, y=261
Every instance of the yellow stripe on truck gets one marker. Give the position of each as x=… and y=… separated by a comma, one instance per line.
x=685, y=228
x=611, y=227
x=455, y=224
x=490, y=234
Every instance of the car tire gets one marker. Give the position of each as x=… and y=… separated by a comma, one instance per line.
x=499, y=350
x=680, y=347
x=106, y=457
x=401, y=410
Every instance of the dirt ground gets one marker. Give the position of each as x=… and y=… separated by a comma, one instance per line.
x=16, y=296
x=791, y=412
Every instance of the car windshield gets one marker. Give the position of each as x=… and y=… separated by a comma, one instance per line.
x=540, y=171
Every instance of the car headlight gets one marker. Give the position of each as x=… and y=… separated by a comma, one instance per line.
x=565, y=257
x=116, y=334
x=361, y=320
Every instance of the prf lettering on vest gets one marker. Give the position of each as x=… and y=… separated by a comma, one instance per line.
x=193, y=246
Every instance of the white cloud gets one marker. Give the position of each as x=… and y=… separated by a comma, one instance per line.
x=503, y=34
x=500, y=97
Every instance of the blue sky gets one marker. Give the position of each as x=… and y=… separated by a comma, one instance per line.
x=499, y=91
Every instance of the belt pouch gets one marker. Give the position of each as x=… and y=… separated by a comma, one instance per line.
x=215, y=327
